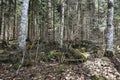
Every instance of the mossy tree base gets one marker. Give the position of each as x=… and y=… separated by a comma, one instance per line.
x=109, y=54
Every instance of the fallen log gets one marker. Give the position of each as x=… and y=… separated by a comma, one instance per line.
x=82, y=56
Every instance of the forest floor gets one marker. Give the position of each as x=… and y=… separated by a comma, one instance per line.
x=95, y=68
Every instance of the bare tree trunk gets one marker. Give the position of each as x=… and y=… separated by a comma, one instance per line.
x=23, y=31
x=54, y=20
x=14, y=28
x=110, y=28
x=82, y=15
x=62, y=25
x=78, y=15
x=50, y=16
x=1, y=14
x=23, y=25
x=29, y=32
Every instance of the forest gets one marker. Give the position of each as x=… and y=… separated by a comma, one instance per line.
x=59, y=40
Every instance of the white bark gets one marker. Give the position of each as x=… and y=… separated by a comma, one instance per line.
x=110, y=27
x=62, y=24
x=23, y=25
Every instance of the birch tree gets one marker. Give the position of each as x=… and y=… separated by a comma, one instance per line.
x=23, y=31
x=110, y=28
x=62, y=24
x=23, y=25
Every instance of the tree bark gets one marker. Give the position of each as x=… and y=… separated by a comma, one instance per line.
x=1, y=14
x=62, y=25
x=23, y=25
x=110, y=28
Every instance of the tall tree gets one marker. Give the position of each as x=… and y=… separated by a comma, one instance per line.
x=110, y=28
x=15, y=17
x=23, y=25
x=1, y=14
x=23, y=31
x=49, y=17
x=62, y=24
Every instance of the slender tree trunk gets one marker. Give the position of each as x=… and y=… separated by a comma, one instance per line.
x=54, y=20
x=78, y=15
x=1, y=15
x=50, y=16
x=62, y=25
x=29, y=35
x=23, y=25
x=14, y=28
x=82, y=20
x=3, y=25
x=68, y=20
x=110, y=28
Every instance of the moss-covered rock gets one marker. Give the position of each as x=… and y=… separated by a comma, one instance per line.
x=55, y=55
x=83, y=49
x=80, y=55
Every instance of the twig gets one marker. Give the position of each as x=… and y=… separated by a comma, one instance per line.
x=22, y=61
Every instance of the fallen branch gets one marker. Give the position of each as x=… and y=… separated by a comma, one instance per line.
x=22, y=61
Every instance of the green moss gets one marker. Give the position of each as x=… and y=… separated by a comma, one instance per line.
x=83, y=49
x=84, y=57
x=80, y=55
x=56, y=55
